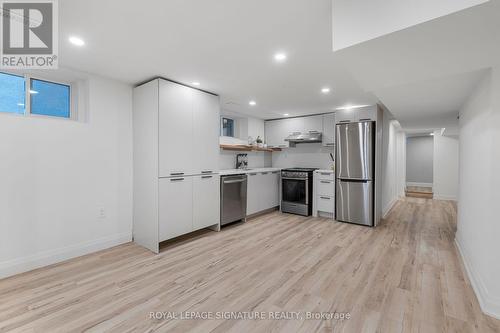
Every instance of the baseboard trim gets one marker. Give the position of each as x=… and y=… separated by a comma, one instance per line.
x=445, y=197
x=420, y=184
x=389, y=207
x=489, y=306
x=28, y=263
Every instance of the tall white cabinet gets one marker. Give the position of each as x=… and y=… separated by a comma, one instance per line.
x=176, y=150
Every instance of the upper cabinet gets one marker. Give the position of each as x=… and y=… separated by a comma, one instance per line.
x=329, y=129
x=366, y=113
x=206, y=133
x=175, y=123
x=188, y=130
x=309, y=124
x=278, y=130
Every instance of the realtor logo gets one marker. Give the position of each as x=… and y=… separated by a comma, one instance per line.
x=29, y=34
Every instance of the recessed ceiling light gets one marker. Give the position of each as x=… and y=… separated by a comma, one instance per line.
x=252, y=103
x=286, y=114
x=196, y=83
x=33, y=92
x=76, y=41
x=325, y=90
x=280, y=57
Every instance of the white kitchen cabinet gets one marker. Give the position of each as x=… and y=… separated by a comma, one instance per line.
x=276, y=132
x=262, y=191
x=175, y=207
x=324, y=193
x=205, y=133
x=275, y=186
x=206, y=201
x=254, y=188
x=310, y=124
x=366, y=113
x=176, y=155
x=270, y=189
x=329, y=129
x=175, y=123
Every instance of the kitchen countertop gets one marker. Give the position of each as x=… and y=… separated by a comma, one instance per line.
x=250, y=170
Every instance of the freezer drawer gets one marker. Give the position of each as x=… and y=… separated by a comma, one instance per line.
x=354, y=202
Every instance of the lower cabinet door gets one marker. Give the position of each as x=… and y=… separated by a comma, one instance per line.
x=253, y=193
x=206, y=201
x=325, y=203
x=275, y=189
x=175, y=207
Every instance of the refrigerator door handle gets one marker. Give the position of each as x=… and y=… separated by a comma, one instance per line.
x=359, y=180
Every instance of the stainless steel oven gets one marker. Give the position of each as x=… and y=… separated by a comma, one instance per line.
x=296, y=191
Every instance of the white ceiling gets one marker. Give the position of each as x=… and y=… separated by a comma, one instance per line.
x=355, y=22
x=422, y=74
x=430, y=104
x=226, y=45
x=425, y=73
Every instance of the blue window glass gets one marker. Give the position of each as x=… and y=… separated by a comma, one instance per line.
x=12, y=93
x=227, y=127
x=50, y=99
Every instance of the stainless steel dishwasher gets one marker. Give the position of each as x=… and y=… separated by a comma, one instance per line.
x=233, y=201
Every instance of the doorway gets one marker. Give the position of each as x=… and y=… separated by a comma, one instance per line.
x=420, y=166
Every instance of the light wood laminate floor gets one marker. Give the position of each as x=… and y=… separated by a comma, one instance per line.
x=403, y=276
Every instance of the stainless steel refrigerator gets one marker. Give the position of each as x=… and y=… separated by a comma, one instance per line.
x=355, y=164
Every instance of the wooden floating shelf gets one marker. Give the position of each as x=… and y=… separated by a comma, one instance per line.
x=247, y=148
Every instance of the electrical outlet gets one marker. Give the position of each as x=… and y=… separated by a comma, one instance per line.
x=102, y=213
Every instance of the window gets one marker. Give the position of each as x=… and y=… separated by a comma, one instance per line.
x=12, y=93
x=49, y=99
x=228, y=127
x=44, y=98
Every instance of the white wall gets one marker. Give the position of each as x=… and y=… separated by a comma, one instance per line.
x=227, y=159
x=304, y=155
x=247, y=126
x=393, y=162
x=445, y=167
x=419, y=160
x=58, y=174
x=478, y=229
x=359, y=21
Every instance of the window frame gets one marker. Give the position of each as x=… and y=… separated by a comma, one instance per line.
x=28, y=77
x=222, y=126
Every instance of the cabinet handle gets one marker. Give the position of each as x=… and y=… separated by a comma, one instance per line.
x=264, y=173
x=207, y=171
x=252, y=174
x=330, y=144
x=206, y=177
x=365, y=119
x=176, y=173
x=176, y=179
x=324, y=174
x=344, y=121
x=326, y=182
x=326, y=198
x=275, y=172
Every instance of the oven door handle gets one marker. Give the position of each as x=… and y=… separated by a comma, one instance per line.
x=288, y=178
x=307, y=192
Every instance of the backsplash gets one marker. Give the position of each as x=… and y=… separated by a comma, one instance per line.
x=227, y=159
x=310, y=155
